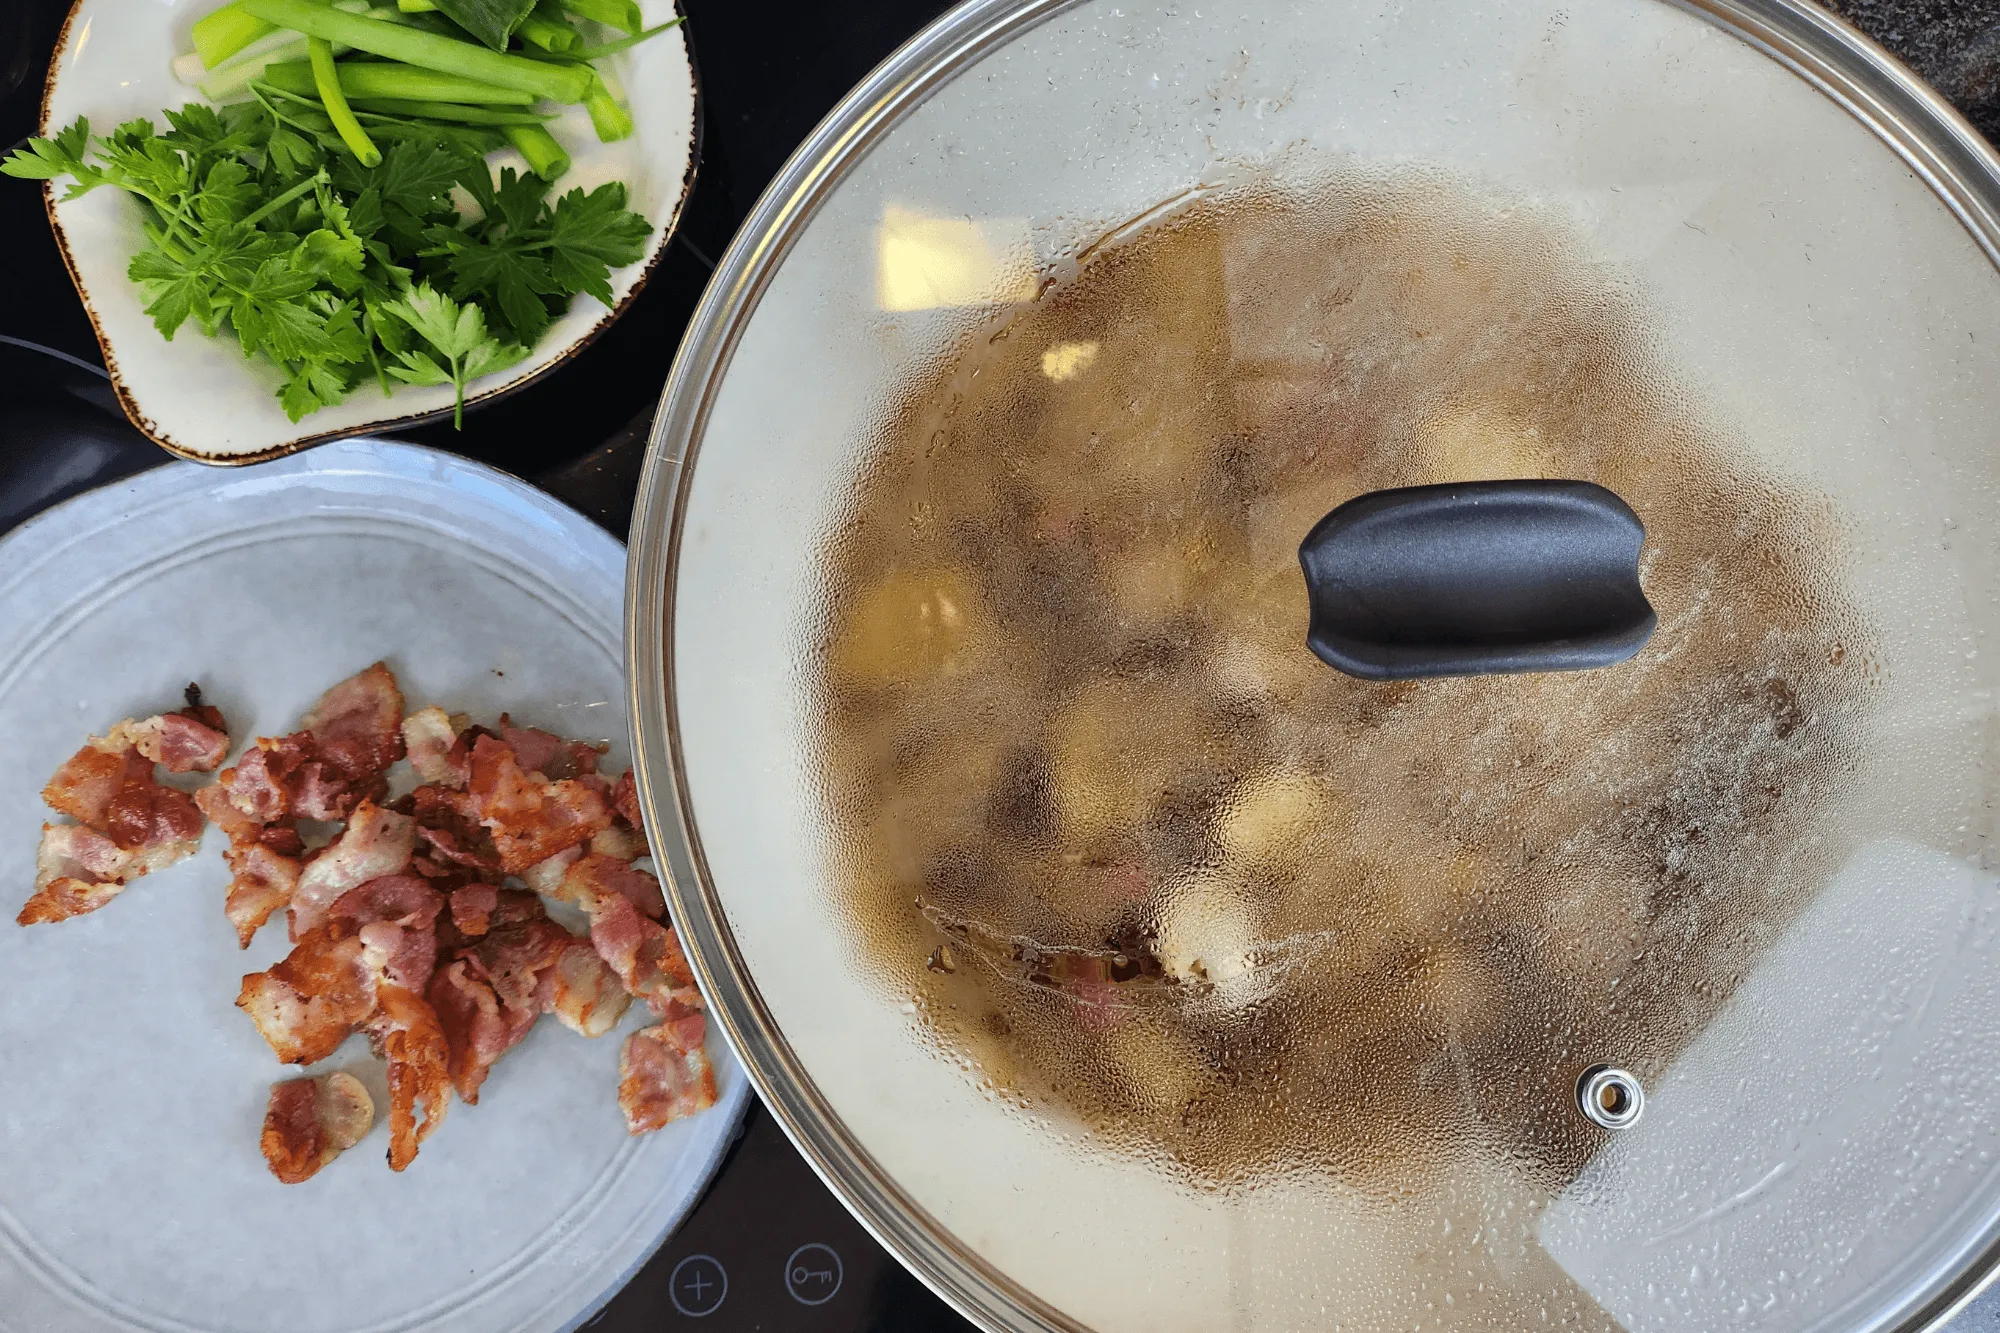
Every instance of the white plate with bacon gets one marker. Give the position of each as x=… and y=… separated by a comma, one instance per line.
x=383, y=867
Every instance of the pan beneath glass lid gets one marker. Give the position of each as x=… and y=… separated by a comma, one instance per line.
x=1047, y=443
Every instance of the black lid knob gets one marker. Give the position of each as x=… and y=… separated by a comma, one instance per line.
x=1476, y=578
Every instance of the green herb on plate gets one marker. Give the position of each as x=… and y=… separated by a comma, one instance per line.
x=316, y=223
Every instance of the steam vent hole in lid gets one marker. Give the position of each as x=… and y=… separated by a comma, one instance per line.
x=1148, y=865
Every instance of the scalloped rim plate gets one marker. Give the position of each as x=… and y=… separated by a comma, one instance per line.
x=198, y=397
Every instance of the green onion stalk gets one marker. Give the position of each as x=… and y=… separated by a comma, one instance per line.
x=427, y=50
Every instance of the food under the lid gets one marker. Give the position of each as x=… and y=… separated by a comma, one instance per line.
x=1138, y=854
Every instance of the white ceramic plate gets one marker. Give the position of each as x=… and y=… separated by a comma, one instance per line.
x=198, y=396
x=132, y=1192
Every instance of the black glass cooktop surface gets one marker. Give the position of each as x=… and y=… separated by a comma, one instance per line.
x=768, y=1247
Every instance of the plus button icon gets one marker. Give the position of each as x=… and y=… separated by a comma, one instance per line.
x=697, y=1285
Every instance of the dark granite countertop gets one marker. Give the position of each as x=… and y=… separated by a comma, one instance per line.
x=1955, y=44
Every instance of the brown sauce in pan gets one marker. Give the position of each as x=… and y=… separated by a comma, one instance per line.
x=1137, y=854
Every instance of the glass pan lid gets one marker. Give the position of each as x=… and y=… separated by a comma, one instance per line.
x=1122, y=965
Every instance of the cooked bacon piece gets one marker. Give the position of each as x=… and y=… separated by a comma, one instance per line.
x=663, y=1078
x=259, y=787
x=472, y=909
x=207, y=714
x=321, y=791
x=547, y=876
x=412, y=1040
x=686, y=1028
x=621, y=842
x=583, y=992
x=531, y=818
x=396, y=916
x=646, y=955
x=263, y=881
x=357, y=726
x=534, y=749
x=376, y=842
x=312, y=1000
x=77, y=870
x=282, y=839
x=180, y=741
x=213, y=801
x=145, y=814
x=478, y=1028
x=594, y=875
x=431, y=741
x=625, y=800
x=311, y=1121
x=92, y=778
x=448, y=822
x=520, y=945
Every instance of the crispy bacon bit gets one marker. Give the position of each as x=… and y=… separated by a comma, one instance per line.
x=357, y=725
x=182, y=742
x=478, y=1028
x=547, y=876
x=519, y=946
x=282, y=839
x=77, y=870
x=625, y=800
x=431, y=742
x=448, y=822
x=213, y=801
x=621, y=842
x=646, y=955
x=311, y=1121
x=583, y=992
x=259, y=786
x=145, y=815
x=531, y=818
x=376, y=842
x=472, y=909
x=263, y=881
x=315, y=998
x=321, y=791
x=662, y=1078
x=90, y=780
x=596, y=874
x=413, y=1042
x=396, y=916
x=534, y=749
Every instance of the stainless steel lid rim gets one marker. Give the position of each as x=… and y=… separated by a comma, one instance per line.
x=897, y=86
x=1882, y=93
x=1938, y=145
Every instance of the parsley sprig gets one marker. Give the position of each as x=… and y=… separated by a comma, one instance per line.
x=258, y=224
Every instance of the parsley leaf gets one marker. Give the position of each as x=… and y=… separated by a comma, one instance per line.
x=48, y=159
x=259, y=225
x=590, y=235
x=457, y=335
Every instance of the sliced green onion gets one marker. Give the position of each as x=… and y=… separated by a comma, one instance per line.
x=608, y=115
x=549, y=34
x=327, y=80
x=620, y=14
x=545, y=156
x=451, y=111
x=427, y=50
x=409, y=83
x=222, y=34
x=417, y=6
